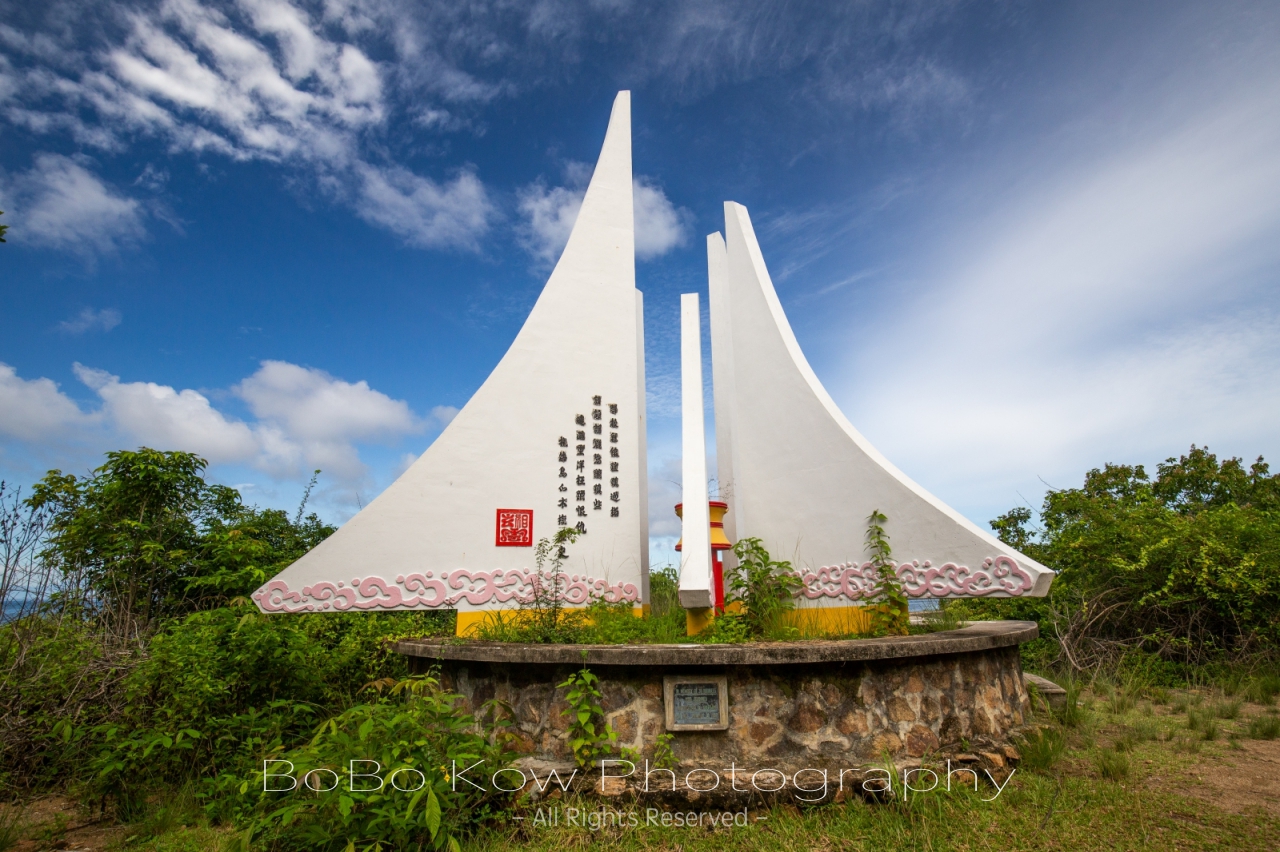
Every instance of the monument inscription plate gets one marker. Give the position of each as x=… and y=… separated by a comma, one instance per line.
x=696, y=703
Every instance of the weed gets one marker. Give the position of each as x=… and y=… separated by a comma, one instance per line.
x=663, y=757
x=1231, y=684
x=890, y=615
x=1226, y=709
x=589, y=734
x=1042, y=748
x=1146, y=731
x=1072, y=714
x=1112, y=765
x=1125, y=742
x=1180, y=705
x=1264, y=727
x=13, y=825
x=1263, y=690
x=1157, y=695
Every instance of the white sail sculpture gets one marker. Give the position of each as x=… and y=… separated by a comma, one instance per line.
x=798, y=476
x=554, y=437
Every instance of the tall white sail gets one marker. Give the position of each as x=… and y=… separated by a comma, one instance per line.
x=798, y=476
x=553, y=438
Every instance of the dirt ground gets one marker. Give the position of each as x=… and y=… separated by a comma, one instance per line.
x=56, y=822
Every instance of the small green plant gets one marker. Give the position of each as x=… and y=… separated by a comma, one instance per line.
x=727, y=629
x=766, y=589
x=1157, y=695
x=1072, y=714
x=1042, y=748
x=1264, y=727
x=663, y=756
x=1203, y=722
x=590, y=735
x=889, y=615
x=1112, y=765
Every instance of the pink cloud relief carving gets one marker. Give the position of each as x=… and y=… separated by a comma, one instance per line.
x=999, y=575
x=428, y=590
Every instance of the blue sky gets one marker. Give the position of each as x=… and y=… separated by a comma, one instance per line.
x=1016, y=240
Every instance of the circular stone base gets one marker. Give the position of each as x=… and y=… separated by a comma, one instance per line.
x=792, y=706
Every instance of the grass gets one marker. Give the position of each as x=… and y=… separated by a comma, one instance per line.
x=12, y=826
x=1109, y=781
x=1264, y=727
x=1037, y=812
x=1112, y=764
x=1042, y=748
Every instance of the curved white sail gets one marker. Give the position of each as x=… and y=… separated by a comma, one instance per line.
x=555, y=436
x=797, y=475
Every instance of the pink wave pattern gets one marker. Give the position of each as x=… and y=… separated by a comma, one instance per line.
x=920, y=579
x=447, y=590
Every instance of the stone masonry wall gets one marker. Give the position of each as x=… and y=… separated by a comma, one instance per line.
x=791, y=717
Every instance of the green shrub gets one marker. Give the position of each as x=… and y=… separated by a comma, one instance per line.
x=411, y=738
x=765, y=588
x=590, y=736
x=1185, y=565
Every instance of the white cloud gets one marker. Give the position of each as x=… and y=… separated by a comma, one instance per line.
x=36, y=410
x=422, y=212
x=660, y=227
x=302, y=419
x=252, y=80
x=549, y=214
x=89, y=319
x=1117, y=308
x=167, y=419
x=444, y=414
x=59, y=204
x=311, y=405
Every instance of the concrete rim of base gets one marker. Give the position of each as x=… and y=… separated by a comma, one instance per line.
x=977, y=636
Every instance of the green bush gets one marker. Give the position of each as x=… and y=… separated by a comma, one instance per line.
x=410, y=738
x=766, y=589
x=1185, y=566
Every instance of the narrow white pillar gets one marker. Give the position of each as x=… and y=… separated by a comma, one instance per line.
x=695, y=555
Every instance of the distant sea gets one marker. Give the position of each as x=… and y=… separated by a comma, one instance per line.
x=9, y=610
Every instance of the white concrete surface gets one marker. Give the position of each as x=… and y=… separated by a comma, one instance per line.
x=696, y=580
x=797, y=475
x=429, y=539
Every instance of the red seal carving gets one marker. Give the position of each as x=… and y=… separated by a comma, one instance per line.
x=515, y=528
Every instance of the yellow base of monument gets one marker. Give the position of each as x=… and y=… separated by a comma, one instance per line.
x=469, y=622
x=809, y=621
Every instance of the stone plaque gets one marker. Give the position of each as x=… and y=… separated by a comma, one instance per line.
x=696, y=703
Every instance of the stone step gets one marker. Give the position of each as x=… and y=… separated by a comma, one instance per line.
x=1048, y=690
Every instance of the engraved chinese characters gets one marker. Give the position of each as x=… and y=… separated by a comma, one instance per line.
x=595, y=439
